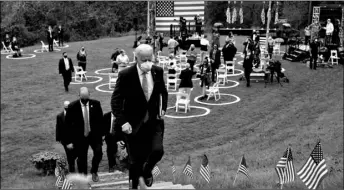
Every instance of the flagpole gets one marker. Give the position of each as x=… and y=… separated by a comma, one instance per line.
x=148, y=18
x=237, y=171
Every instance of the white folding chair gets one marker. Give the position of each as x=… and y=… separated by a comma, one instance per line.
x=230, y=65
x=182, y=61
x=44, y=47
x=79, y=73
x=222, y=74
x=6, y=49
x=213, y=91
x=56, y=43
x=277, y=48
x=334, y=57
x=162, y=61
x=172, y=81
x=112, y=79
x=183, y=100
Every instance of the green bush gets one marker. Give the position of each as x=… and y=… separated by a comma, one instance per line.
x=46, y=162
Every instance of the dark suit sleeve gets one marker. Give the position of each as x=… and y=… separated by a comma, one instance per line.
x=164, y=92
x=70, y=133
x=71, y=65
x=117, y=100
x=100, y=118
x=60, y=67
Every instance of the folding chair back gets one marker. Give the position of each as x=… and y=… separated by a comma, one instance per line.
x=214, y=91
x=334, y=57
x=172, y=81
x=230, y=65
x=79, y=74
x=183, y=100
x=222, y=74
x=44, y=47
x=112, y=79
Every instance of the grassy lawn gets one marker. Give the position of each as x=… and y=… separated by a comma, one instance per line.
x=261, y=125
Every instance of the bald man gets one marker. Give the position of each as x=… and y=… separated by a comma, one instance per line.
x=139, y=113
x=61, y=131
x=85, y=128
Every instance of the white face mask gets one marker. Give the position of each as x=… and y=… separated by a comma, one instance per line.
x=146, y=66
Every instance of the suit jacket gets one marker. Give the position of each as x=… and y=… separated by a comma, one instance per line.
x=217, y=58
x=52, y=35
x=60, y=127
x=62, y=67
x=60, y=32
x=186, y=78
x=128, y=102
x=107, y=126
x=248, y=57
x=229, y=52
x=75, y=122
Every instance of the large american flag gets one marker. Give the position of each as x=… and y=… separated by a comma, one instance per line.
x=168, y=11
x=204, y=170
x=315, y=169
x=188, y=169
x=285, y=168
x=243, y=167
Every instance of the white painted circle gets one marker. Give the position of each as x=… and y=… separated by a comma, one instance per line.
x=240, y=62
x=100, y=90
x=236, y=83
x=220, y=104
x=99, y=79
x=236, y=74
x=207, y=111
x=40, y=50
x=3, y=52
x=239, y=53
x=11, y=56
x=64, y=46
x=99, y=73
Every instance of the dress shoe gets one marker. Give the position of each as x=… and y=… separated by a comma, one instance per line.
x=95, y=177
x=147, y=174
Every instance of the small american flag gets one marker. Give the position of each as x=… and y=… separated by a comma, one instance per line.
x=59, y=181
x=262, y=16
x=315, y=169
x=228, y=14
x=205, y=171
x=285, y=168
x=67, y=184
x=243, y=167
x=241, y=14
x=188, y=169
x=156, y=171
x=173, y=168
x=234, y=17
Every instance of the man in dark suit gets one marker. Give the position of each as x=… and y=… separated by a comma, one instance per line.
x=60, y=32
x=85, y=123
x=61, y=131
x=248, y=59
x=215, y=60
x=111, y=139
x=186, y=79
x=136, y=104
x=229, y=50
x=50, y=38
x=65, y=69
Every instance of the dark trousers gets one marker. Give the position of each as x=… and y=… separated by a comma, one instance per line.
x=67, y=78
x=270, y=51
x=82, y=65
x=82, y=150
x=192, y=63
x=71, y=157
x=50, y=43
x=111, y=149
x=161, y=46
x=313, y=62
x=307, y=38
x=145, y=150
x=213, y=72
x=60, y=40
x=247, y=72
x=328, y=39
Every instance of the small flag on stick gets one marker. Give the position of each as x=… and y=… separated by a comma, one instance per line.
x=173, y=168
x=59, y=181
x=66, y=184
x=156, y=171
x=315, y=169
x=188, y=169
x=285, y=168
x=204, y=170
x=242, y=168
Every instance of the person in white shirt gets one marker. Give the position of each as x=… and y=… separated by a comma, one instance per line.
x=329, y=30
x=122, y=60
x=205, y=46
x=172, y=44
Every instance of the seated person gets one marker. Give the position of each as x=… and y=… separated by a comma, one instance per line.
x=7, y=41
x=113, y=60
x=122, y=60
x=15, y=48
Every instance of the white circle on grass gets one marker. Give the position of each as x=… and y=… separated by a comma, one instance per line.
x=236, y=74
x=207, y=111
x=11, y=56
x=219, y=104
x=240, y=62
x=40, y=50
x=100, y=90
x=99, y=73
x=236, y=83
x=92, y=82
x=64, y=46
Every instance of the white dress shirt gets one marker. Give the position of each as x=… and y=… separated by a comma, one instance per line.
x=88, y=113
x=329, y=28
x=66, y=61
x=149, y=80
x=112, y=120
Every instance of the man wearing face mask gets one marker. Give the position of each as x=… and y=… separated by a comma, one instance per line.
x=85, y=128
x=229, y=50
x=139, y=112
x=65, y=69
x=61, y=131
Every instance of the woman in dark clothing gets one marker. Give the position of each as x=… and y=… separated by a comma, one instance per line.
x=248, y=59
x=186, y=79
x=205, y=76
x=215, y=60
x=81, y=57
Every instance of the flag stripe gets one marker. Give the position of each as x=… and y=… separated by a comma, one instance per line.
x=186, y=9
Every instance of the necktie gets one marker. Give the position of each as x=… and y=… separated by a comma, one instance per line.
x=87, y=130
x=112, y=124
x=145, y=91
